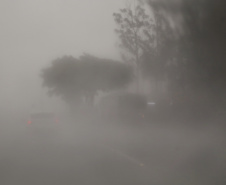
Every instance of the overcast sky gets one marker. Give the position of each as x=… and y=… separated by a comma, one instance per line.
x=34, y=32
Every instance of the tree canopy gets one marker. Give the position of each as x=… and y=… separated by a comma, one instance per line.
x=135, y=29
x=75, y=79
x=199, y=33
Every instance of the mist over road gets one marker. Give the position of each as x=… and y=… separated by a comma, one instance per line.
x=90, y=154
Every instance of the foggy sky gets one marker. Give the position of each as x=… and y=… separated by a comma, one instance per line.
x=34, y=32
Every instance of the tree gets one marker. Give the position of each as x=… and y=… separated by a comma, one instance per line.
x=102, y=74
x=80, y=79
x=155, y=64
x=135, y=30
x=201, y=42
x=62, y=79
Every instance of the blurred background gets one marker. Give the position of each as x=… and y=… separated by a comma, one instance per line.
x=112, y=92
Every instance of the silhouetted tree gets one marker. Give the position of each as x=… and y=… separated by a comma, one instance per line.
x=199, y=31
x=76, y=79
x=155, y=63
x=62, y=79
x=135, y=30
x=103, y=74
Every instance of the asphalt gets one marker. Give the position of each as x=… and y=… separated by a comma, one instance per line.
x=67, y=158
x=78, y=154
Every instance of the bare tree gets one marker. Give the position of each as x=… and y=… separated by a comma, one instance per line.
x=135, y=29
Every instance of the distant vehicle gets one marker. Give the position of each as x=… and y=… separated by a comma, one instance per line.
x=42, y=123
x=124, y=107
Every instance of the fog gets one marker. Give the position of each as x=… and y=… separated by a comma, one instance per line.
x=96, y=153
x=36, y=32
x=79, y=108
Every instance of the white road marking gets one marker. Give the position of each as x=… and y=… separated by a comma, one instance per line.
x=131, y=159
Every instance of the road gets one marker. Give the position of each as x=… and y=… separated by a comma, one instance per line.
x=113, y=156
x=41, y=161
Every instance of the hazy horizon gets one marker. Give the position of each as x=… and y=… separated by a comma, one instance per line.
x=36, y=32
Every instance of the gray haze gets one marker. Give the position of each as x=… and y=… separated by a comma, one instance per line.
x=33, y=33
x=90, y=146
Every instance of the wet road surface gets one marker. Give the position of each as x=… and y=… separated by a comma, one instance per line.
x=113, y=156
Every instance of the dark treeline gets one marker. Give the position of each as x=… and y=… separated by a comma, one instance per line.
x=78, y=80
x=197, y=44
x=181, y=43
x=177, y=43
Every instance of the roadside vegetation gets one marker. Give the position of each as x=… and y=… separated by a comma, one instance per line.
x=178, y=46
